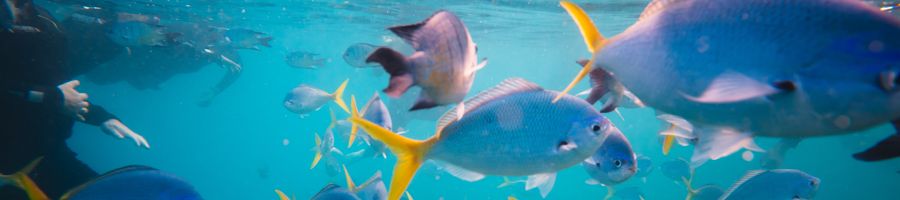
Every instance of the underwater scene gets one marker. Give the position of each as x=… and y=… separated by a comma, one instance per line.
x=467, y=99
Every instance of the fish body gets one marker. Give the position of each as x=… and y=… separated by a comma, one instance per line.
x=443, y=65
x=377, y=112
x=774, y=184
x=356, y=54
x=134, y=182
x=644, y=166
x=677, y=170
x=513, y=129
x=613, y=163
x=790, y=69
x=373, y=189
x=307, y=60
x=305, y=99
x=334, y=192
x=246, y=38
x=135, y=33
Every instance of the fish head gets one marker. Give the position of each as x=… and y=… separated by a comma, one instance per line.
x=614, y=162
x=586, y=136
x=806, y=186
x=291, y=102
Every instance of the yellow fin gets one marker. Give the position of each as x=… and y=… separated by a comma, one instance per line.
x=333, y=119
x=337, y=95
x=510, y=197
x=318, y=152
x=410, y=153
x=350, y=185
x=281, y=195
x=594, y=40
x=353, y=127
x=667, y=144
x=21, y=180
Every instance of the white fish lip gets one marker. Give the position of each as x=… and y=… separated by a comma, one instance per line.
x=565, y=146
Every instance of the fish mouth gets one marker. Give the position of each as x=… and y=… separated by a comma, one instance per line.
x=565, y=146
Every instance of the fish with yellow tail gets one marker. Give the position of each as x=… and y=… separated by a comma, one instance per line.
x=512, y=129
x=305, y=99
x=737, y=69
x=325, y=150
x=443, y=65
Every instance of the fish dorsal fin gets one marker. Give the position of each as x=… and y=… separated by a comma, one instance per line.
x=329, y=187
x=507, y=87
x=408, y=32
x=656, y=6
x=372, y=180
x=750, y=174
x=114, y=172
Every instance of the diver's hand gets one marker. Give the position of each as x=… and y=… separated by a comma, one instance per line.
x=74, y=103
x=116, y=128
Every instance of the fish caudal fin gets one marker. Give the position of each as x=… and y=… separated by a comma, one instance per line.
x=281, y=195
x=395, y=64
x=338, y=95
x=21, y=180
x=354, y=129
x=592, y=38
x=350, y=185
x=885, y=149
x=318, y=155
x=410, y=153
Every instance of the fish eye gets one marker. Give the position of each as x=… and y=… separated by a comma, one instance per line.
x=812, y=183
x=617, y=163
x=596, y=128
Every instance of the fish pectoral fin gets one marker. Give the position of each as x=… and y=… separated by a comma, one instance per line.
x=591, y=181
x=715, y=143
x=732, y=87
x=544, y=182
x=461, y=173
x=885, y=149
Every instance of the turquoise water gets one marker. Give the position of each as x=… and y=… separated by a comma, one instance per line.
x=236, y=148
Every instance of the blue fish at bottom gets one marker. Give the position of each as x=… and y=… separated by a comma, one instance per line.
x=773, y=184
x=135, y=183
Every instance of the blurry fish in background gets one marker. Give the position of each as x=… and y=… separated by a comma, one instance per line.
x=305, y=99
x=612, y=164
x=135, y=33
x=810, y=86
x=334, y=192
x=325, y=150
x=629, y=193
x=773, y=184
x=444, y=64
x=605, y=88
x=305, y=60
x=705, y=192
x=644, y=167
x=246, y=38
x=529, y=137
x=10, y=11
x=356, y=55
x=376, y=112
x=678, y=170
x=676, y=129
x=372, y=189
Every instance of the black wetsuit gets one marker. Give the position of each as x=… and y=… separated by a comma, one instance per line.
x=32, y=126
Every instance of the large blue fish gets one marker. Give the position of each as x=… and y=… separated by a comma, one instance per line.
x=443, y=65
x=512, y=129
x=612, y=164
x=773, y=184
x=743, y=68
x=134, y=182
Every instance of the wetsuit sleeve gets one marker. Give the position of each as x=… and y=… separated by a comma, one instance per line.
x=97, y=115
x=50, y=97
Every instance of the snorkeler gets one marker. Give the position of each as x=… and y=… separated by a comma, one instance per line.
x=40, y=106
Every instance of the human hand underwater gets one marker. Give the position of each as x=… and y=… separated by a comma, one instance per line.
x=116, y=128
x=74, y=103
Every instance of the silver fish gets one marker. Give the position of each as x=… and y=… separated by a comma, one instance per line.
x=376, y=112
x=512, y=129
x=246, y=38
x=306, y=60
x=356, y=54
x=774, y=184
x=305, y=99
x=443, y=65
x=612, y=164
x=792, y=69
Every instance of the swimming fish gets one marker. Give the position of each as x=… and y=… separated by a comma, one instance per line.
x=612, y=164
x=306, y=60
x=644, y=167
x=677, y=169
x=356, y=54
x=830, y=67
x=246, y=38
x=443, y=65
x=134, y=182
x=334, y=192
x=9, y=16
x=372, y=189
x=376, y=112
x=135, y=33
x=512, y=129
x=305, y=99
x=773, y=184
x=325, y=150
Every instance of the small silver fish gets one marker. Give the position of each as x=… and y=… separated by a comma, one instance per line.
x=443, y=65
x=305, y=60
x=305, y=99
x=246, y=38
x=356, y=55
x=325, y=150
x=376, y=112
x=773, y=184
x=612, y=164
x=512, y=129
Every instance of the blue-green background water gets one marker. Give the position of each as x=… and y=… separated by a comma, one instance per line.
x=235, y=148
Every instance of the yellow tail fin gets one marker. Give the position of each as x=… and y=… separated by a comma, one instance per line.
x=667, y=144
x=338, y=95
x=353, y=127
x=350, y=185
x=592, y=38
x=20, y=179
x=281, y=195
x=318, y=152
x=410, y=153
